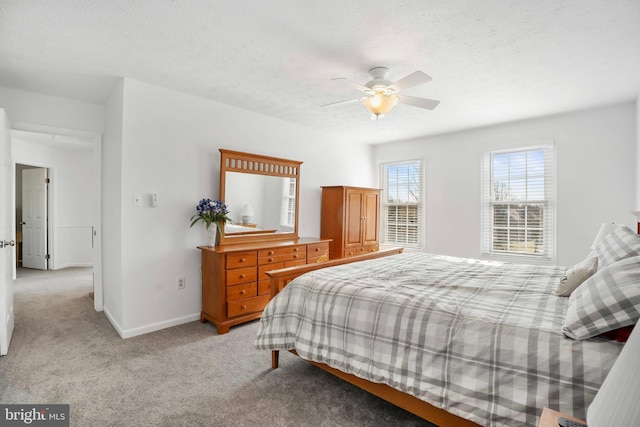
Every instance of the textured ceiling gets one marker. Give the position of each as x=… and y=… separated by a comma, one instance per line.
x=492, y=61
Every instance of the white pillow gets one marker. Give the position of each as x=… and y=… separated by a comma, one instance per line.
x=576, y=275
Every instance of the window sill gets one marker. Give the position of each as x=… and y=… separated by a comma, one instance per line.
x=520, y=259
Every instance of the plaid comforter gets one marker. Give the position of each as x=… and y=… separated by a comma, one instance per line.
x=480, y=339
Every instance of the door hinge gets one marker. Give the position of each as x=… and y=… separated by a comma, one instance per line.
x=47, y=256
x=47, y=180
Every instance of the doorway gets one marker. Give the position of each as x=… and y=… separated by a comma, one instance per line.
x=71, y=160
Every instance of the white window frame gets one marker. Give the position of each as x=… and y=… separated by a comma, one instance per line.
x=288, y=205
x=385, y=205
x=548, y=253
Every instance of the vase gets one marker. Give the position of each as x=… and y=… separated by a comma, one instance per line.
x=213, y=238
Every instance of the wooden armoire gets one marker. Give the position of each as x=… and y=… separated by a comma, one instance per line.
x=350, y=217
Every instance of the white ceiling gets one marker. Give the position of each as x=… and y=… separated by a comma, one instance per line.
x=492, y=61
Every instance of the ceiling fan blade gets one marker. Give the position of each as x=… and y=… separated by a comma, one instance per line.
x=414, y=79
x=429, y=104
x=352, y=83
x=348, y=101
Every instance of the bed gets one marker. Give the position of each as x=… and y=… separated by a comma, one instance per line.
x=456, y=341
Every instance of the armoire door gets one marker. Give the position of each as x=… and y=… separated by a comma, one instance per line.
x=354, y=218
x=371, y=212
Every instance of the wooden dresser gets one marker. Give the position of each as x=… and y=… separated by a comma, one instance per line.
x=235, y=286
x=350, y=218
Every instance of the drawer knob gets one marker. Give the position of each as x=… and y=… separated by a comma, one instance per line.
x=242, y=276
x=317, y=249
x=270, y=252
x=242, y=292
x=295, y=256
x=241, y=260
x=243, y=307
x=270, y=260
x=295, y=249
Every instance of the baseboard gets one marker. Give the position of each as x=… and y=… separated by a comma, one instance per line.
x=141, y=330
x=113, y=322
x=72, y=264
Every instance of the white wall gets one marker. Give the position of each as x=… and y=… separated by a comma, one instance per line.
x=170, y=143
x=637, y=205
x=596, y=176
x=71, y=188
x=112, y=207
x=35, y=108
x=74, y=184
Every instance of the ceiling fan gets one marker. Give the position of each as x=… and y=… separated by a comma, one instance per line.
x=381, y=95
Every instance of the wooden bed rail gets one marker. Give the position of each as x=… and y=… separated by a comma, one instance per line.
x=280, y=278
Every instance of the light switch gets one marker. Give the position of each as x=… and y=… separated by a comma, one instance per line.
x=154, y=200
x=137, y=200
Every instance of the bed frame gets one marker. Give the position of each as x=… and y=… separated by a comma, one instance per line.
x=280, y=279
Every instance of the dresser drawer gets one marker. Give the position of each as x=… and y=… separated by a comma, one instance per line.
x=274, y=259
x=370, y=248
x=317, y=259
x=360, y=250
x=241, y=275
x=351, y=252
x=264, y=287
x=246, y=306
x=241, y=259
x=298, y=249
x=318, y=249
x=237, y=292
x=262, y=270
x=295, y=262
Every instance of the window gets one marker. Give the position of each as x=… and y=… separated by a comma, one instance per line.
x=402, y=203
x=288, y=207
x=518, y=199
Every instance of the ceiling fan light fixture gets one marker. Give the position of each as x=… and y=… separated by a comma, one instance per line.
x=380, y=103
x=381, y=95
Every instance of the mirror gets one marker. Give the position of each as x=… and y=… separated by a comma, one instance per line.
x=262, y=196
x=260, y=203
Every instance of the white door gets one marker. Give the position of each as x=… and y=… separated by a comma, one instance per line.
x=6, y=236
x=34, y=218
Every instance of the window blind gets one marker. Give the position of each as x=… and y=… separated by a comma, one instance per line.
x=288, y=206
x=518, y=203
x=402, y=203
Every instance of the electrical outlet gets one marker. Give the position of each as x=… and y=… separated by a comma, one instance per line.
x=180, y=281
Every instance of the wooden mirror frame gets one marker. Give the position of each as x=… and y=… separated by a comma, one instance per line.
x=236, y=161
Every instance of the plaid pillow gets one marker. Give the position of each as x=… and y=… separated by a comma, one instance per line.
x=620, y=244
x=608, y=300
